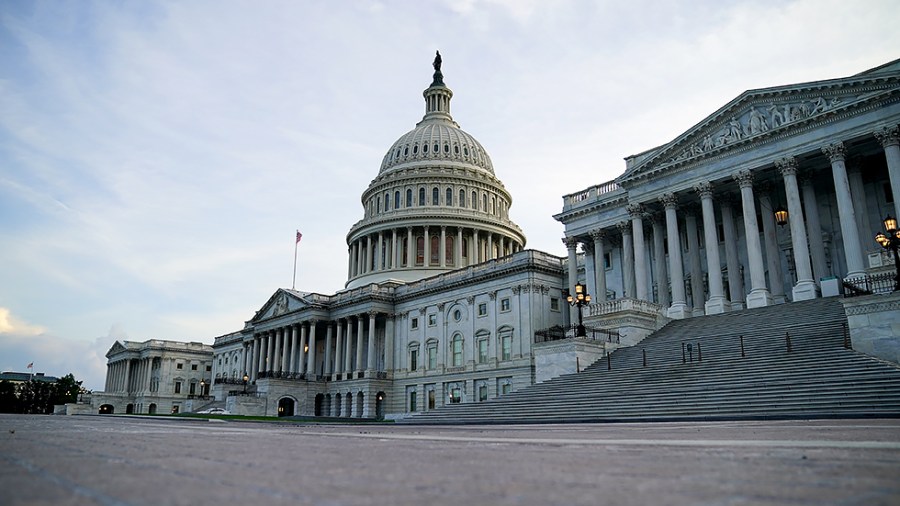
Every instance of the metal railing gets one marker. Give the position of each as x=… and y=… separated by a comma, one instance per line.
x=870, y=284
x=559, y=332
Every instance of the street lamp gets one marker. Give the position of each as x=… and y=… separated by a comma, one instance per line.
x=579, y=300
x=246, y=379
x=891, y=241
x=202, y=388
x=781, y=216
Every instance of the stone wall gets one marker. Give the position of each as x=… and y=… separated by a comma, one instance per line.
x=874, y=322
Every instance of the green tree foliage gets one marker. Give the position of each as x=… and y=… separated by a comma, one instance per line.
x=38, y=397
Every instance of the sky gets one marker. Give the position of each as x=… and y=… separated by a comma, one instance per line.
x=156, y=158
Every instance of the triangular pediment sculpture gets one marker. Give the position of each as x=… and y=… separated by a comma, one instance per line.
x=115, y=349
x=758, y=116
x=281, y=302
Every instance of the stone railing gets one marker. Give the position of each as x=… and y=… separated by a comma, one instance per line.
x=590, y=194
x=625, y=304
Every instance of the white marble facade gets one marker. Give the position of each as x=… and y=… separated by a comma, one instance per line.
x=828, y=152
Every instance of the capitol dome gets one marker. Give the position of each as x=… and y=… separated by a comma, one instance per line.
x=435, y=206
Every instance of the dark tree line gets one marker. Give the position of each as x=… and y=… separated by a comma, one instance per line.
x=37, y=397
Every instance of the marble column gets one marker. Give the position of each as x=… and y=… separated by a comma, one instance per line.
x=359, y=344
x=255, y=360
x=348, y=349
x=732, y=261
x=679, y=308
x=659, y=261
x=395, y=249
x=889, y=137
x=370, y=358
x=459, y=248
x=261, y=354
x=329, y=343
x=339, y=348
x=759, y=295
x=127, y=381
x=379, y=253
x=572, y=243
x=717, y=303
x=692, y=236
x=301, y=351
x=292, y=366
x=410, y=248
x=599, y=265
x=858, y=192
x=805, y=288
x=639, y=251
x=278, y=334
x=770, y=240
x=442, y=254
x=370, y=250
x=490, y=246
x=590, y=273
x=389, y=343
x=311, y=357
x=628, y=283
x=850, y=235
x=814, y=229
x=426, y=259
x=476, y=250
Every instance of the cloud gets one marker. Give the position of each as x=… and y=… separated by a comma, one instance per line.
x=12, y=326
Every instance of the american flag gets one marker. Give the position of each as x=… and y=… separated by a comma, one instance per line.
x=299, y=236
x=31, y=366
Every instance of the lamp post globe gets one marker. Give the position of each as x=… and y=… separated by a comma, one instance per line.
x=889, y=239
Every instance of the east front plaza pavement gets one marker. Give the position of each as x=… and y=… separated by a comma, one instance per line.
x=114, y=460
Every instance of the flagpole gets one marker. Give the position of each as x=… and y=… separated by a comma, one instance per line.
x=294, y=279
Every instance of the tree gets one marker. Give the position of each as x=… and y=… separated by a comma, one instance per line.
x=9, y=401
x=66, y=390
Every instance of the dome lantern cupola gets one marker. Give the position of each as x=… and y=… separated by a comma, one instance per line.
x=438, y=95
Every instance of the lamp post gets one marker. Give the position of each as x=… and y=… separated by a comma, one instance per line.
x=202, y=388
x=246, y=379
x=579, y=300
x=891, y=241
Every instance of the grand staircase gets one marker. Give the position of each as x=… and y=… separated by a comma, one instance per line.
x=817, y=378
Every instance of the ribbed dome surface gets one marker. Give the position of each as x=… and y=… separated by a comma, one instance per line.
x=436, y=140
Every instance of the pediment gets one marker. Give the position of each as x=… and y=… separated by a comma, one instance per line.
x=281, y=302
x=760, y=115
x=116, y=348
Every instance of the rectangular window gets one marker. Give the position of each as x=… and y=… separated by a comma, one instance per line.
x=193, y=389
x=432, y=320
x=482, y=351
x=179, y=366
x=507, y=388
x=193, y=367
x=432, y=357
x=506, y=344
x=455, y=396
x=482, y=393
x=554, y=304
x=177, y=387
x=457, y=352
x=504, y=304
x=482, y=309
x=413, y=360
x=431, y=399
x=607, y=261
x=412, y=402
x=414, y=323
x=209, y=367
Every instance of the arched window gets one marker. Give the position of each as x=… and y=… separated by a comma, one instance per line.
x=420, y=250
x=456, y=351
x=396, y=200
x=484, y=206
x=449, y=201
x=448, y=250
x=387, y=201
x=493, y=206
x=474, y=200
x=379, y=204
x=462, y=198
x=465, y=247
x=422, y=196
x=404, y=251
x=435, y=252
x=408, y=198
x=435, y=196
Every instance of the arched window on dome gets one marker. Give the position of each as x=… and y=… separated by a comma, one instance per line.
x=409, y=198
x=422, y=196
x=466, y=150
x=406, y=151
x=456, y=149
x=474, y=200
x=435, y=252
x=448, y=250
x=404, y=251
x=484, y=206
x=387, y=201
x=397, y=199
x=446, y=148
x=415, y=149
x=425, y=148
x=435, y=196
x=435, y=148
x=378, y=209
x=449, y=201
x=462, y=198
x=465, y=251
x=493, y=206
x=420, y=250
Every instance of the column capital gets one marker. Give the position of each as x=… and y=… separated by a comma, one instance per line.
x=668, y=200
x=597, y=234
x=888, y=136
x=570, y=242
x=744, y=178
x=787, y=166
x=835, y=151
x=635, y=210
x=624, y=227
x=704, y=189
x=372, y=314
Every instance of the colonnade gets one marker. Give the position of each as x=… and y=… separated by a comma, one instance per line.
x=762, y=255
x=439, y=246
x=349, y=349
x=129, y=375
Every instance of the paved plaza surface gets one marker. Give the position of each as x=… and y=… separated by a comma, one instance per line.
x=112, y=460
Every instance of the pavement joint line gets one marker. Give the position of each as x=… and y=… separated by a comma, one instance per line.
x=869, y=445
x=67, y=484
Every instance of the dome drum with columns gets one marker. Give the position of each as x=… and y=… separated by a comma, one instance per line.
x=435, y=206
